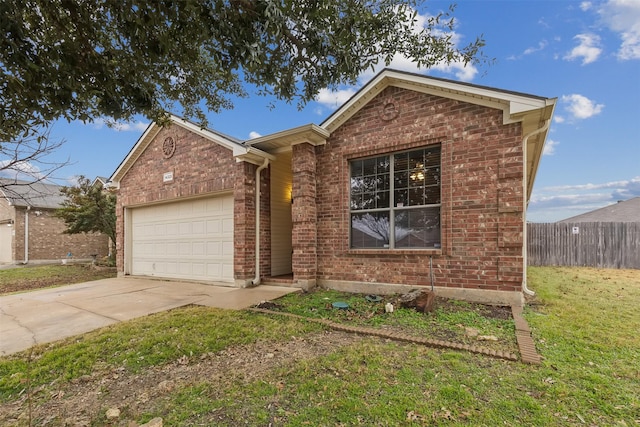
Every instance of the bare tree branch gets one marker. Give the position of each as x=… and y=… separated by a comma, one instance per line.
x=24, y=163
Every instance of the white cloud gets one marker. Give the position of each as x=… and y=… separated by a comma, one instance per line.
x=588, y=49
x=253, y=134
x=554, y=203
x=120, y=126
x=334, y=99
x=22, y=170
x=580, y=106
x=466, y=73
x=633, y=182
x=586, y=5
x=558, y=119
x=550, y=147
x=541, y=45
x=623, y=17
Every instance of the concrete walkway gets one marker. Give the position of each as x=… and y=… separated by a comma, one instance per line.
x=48, y=315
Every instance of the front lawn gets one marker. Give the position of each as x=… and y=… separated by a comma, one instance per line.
x=202, y=366
x=27, y=278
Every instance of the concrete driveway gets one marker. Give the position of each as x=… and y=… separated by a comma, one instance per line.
x=48, y=315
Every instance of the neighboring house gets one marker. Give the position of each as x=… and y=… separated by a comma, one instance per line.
x=623, y=211
x=414, y=178
x=101, y=181
x=29, y=231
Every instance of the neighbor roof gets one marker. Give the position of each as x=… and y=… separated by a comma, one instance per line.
x=35, y=194
x=623, y=211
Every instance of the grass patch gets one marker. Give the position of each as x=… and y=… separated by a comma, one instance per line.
x=584, y=321
x=589, y=375
x=42, y=276
x=138, y=344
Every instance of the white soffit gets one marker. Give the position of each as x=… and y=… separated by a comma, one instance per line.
x=283, y=140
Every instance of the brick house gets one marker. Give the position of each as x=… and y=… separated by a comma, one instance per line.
x=414, y=181
x=29, y=231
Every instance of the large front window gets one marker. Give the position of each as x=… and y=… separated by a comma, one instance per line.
x=395, y=200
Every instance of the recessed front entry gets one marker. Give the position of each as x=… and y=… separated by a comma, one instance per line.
x=191, y=239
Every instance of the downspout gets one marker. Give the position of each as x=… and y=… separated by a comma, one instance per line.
x=26, y=235
x=256, y=280
x=544, y=128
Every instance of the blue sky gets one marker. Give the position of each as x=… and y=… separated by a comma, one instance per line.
x=586, y=54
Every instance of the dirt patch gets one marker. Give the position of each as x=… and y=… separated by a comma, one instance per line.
x=84, y=401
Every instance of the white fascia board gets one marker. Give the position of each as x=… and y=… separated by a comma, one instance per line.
x=231, y=145
x=309, y=133
x=239, y=151
x=252, y=155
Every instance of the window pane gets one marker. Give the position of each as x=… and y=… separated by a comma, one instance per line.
x=417, y=228
x=400, y=179
x=383, y=164
x=369, y=167
x=383, y=182
x=356, y=168
x=368, y=201
x=370, y=230
x=401, y=162
x=356, y=201
x=369, y=184
x=431, y=195
x=400, y=197
x=432, y=176
x=356, y=184
x=416, y=159
x=416, y=197
x=432, y=157
x=382, y=199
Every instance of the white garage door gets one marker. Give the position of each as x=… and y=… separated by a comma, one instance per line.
x=191, y=240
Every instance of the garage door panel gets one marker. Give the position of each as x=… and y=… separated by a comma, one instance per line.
x=184, y=240
x=227, y=250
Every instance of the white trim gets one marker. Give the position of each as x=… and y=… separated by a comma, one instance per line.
x=309, y=133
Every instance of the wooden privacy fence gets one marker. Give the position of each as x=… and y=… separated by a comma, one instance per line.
x=590, y=244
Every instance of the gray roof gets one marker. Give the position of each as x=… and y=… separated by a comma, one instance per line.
x=623, y=211
x=34, y=194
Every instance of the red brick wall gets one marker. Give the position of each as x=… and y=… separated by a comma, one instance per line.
x=47, y=241
x=482, y=193
x=304, y=215
x=200, y=167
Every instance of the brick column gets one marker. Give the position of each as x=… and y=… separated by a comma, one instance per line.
x=244, y=234
x=304, y=216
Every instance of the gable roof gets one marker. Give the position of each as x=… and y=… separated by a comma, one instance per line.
x=240, y=151
x=102, y=180
x=623, y=211
x=33, y=194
